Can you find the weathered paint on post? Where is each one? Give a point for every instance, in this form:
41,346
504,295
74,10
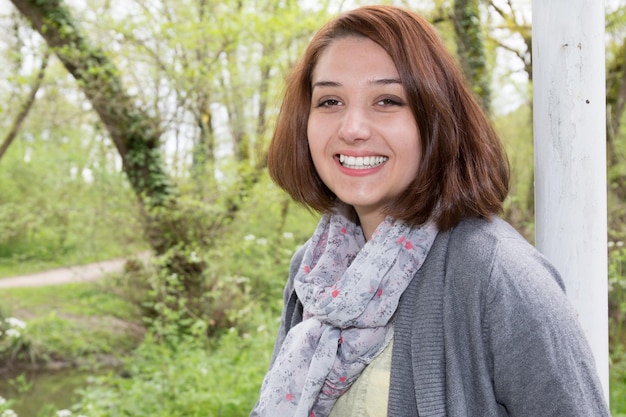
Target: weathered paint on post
570,162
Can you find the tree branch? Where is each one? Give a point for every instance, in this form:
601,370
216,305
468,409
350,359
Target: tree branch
26,106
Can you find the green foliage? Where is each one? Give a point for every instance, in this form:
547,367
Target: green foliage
191,380
14,340
173,373
515,129
52,336
81,299
236,299
46,338
214,280
471,48
617,381
617,328
5,407
617,294
56,208
73,326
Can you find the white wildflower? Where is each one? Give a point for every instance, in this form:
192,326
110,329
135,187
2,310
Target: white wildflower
620,244
261,241
2,400
288,235
172,278
13,322
193,257
241,280
611,244
8,413
249,238
13,333
64,413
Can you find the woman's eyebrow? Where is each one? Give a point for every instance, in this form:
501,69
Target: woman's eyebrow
378,81
386,81
326,84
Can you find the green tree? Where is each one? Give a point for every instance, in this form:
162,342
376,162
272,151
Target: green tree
616,100
135,133
232,58
509,32
471,48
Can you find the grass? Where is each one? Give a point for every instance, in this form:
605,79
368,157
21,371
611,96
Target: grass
71,323
83,299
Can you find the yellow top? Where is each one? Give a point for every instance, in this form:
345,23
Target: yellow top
369,394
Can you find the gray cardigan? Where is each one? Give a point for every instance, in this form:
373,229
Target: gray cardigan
484,329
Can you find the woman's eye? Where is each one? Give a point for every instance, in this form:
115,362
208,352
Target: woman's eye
390,102
329,103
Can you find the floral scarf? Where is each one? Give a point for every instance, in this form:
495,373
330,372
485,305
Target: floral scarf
350,289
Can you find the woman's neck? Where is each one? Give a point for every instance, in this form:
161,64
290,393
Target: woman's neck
369,222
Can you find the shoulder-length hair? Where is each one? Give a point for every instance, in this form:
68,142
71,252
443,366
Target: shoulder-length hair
463,170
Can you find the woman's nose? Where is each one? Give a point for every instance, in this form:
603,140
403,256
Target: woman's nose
354,125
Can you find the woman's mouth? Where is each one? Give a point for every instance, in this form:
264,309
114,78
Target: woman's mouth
361,162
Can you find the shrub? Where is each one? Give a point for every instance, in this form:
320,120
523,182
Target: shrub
617,293
188,380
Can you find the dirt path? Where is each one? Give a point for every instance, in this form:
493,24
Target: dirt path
82,273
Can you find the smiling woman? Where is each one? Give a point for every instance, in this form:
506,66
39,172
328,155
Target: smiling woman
412,297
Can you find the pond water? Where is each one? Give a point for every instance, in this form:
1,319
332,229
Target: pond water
46,388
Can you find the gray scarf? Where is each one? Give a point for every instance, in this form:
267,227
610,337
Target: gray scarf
350,289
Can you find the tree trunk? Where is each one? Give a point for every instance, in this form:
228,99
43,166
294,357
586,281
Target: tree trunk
471,51
134,132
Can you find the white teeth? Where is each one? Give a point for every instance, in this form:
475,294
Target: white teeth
361,162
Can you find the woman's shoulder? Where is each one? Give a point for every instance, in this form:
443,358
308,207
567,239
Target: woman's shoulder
498,286
479,234
492,240
494,253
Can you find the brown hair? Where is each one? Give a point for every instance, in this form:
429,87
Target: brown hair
463,171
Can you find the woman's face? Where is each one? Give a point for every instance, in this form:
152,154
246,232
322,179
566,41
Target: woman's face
362,135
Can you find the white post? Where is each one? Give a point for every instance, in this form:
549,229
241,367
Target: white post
570,161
